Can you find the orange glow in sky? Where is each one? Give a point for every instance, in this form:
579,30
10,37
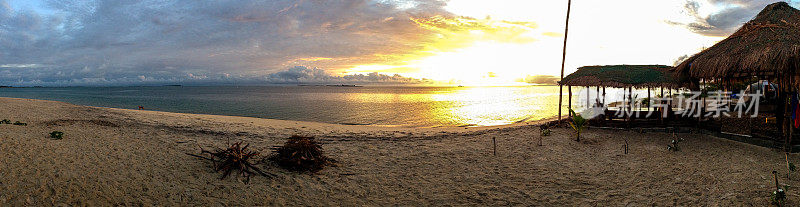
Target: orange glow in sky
500,42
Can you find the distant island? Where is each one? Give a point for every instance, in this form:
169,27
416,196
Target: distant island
21,87
329,85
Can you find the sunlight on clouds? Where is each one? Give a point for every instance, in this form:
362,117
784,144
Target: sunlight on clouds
470,42
500,37
460,31
465,50
481,64
313,59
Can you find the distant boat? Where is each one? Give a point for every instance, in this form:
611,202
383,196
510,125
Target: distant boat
343,85
173,85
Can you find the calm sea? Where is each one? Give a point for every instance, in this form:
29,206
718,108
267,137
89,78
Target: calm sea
369,105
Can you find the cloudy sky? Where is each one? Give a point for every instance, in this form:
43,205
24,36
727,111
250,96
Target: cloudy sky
476,42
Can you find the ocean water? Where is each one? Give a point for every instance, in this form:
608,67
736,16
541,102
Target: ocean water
369,105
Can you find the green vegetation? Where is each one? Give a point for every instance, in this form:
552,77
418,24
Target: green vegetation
578,123
778,197
56,135
5,121
544,132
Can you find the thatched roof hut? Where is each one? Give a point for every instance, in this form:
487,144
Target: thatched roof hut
624,76
767,46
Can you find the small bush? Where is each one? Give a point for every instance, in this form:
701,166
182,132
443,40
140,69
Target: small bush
545,132
778,196
578,123
20,123
301,154
56,135
5,121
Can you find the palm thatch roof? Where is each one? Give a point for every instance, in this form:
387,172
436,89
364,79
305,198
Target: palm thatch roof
768,45
623,76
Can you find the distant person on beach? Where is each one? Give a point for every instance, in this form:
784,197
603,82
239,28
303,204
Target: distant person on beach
141,108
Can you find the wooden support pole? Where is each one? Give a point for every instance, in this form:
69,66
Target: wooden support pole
702,104
788,168
630,108
603,103
494,148
663,108
563,60
775,175
630,100
569,98
791,91
781,112
648,99
604,96
587,97
624,103
597,95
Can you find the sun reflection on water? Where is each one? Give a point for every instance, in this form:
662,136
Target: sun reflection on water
462,106
487,106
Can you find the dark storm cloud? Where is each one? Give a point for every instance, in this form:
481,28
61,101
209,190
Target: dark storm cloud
150,41
733,14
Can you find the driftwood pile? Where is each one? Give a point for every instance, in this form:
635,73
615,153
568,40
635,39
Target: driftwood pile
302,154
235,157
299,153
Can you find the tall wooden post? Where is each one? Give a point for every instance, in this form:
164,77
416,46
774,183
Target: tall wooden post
630,107
563,60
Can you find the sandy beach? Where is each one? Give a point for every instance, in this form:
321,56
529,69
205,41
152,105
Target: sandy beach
135,157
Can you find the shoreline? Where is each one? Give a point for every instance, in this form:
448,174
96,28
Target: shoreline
524,122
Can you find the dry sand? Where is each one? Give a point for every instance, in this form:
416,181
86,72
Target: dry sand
131,157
